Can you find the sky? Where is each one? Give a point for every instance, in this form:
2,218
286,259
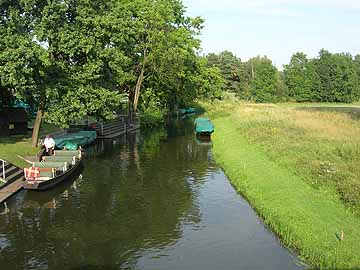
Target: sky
278,28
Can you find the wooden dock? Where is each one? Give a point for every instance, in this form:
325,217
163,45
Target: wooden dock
10,190
119,126
14,178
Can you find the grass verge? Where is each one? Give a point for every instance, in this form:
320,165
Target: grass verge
314,221
12,147
320,143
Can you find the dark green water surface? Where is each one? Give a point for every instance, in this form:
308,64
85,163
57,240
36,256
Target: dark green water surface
155,201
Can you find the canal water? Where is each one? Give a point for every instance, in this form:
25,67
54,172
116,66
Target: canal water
155,201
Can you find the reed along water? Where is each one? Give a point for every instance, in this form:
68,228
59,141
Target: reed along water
155,201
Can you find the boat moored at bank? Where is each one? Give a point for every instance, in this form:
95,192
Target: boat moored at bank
53,170
203,126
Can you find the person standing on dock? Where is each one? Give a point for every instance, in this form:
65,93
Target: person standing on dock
49,144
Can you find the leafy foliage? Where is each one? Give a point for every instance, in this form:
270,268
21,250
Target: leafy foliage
256,79
327,78
79,57
264,86
230,68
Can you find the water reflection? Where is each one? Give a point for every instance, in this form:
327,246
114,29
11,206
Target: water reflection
143,201
53,197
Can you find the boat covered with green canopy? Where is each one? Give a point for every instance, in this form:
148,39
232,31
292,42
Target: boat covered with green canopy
203,126
72,141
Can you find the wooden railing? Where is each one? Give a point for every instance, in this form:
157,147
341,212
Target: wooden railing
111,128
120,125
3,169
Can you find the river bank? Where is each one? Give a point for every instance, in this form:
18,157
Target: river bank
290,164
20,145
144,201
12,148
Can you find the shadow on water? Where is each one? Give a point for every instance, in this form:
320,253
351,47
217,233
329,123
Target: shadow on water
143,202
47,199
353,112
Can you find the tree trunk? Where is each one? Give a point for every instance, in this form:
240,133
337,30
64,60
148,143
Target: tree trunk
252,71
139,82
37,125
137,88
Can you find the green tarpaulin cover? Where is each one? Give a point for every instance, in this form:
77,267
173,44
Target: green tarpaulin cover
69,145
191,110
188,111
72,140
203,125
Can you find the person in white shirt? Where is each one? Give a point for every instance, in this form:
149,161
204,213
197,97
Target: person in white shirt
49,144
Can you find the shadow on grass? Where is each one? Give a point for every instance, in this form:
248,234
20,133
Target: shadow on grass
16,138
45,129
353,112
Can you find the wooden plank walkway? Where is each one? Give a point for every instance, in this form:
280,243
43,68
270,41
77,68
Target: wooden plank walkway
11,189
116,133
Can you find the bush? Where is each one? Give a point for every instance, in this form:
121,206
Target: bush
152,114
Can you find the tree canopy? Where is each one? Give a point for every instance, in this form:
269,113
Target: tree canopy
78,57
330,77
326,78
75,58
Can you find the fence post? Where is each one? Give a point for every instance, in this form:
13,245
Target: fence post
3,169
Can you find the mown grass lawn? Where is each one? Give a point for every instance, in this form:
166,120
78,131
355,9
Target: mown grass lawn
299,167
12,147
320,142
20,145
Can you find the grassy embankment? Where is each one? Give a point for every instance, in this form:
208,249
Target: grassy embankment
12,147
300,169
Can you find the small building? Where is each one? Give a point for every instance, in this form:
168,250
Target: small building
13,121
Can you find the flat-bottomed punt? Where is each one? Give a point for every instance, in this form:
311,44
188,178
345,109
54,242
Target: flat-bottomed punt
53,170
72,141
203,126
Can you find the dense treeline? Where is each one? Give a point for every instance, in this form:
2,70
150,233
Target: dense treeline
76,58
256,79
326,78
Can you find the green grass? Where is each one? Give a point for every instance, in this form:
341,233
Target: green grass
321,144
305,218
309,217
12,147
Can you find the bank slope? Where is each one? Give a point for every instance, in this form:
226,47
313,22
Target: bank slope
306,219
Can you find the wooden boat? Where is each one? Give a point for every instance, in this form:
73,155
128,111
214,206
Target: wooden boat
201,139
187,111
72,141
203,126
53,170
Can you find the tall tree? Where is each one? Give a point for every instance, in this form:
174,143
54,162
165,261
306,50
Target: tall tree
230,67
338,78
265,82
53,49
160,43
295,78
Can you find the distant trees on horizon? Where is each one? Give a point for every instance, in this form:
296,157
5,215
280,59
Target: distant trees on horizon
329,77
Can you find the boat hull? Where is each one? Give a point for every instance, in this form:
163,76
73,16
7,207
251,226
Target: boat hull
81,138
203,126
48,184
